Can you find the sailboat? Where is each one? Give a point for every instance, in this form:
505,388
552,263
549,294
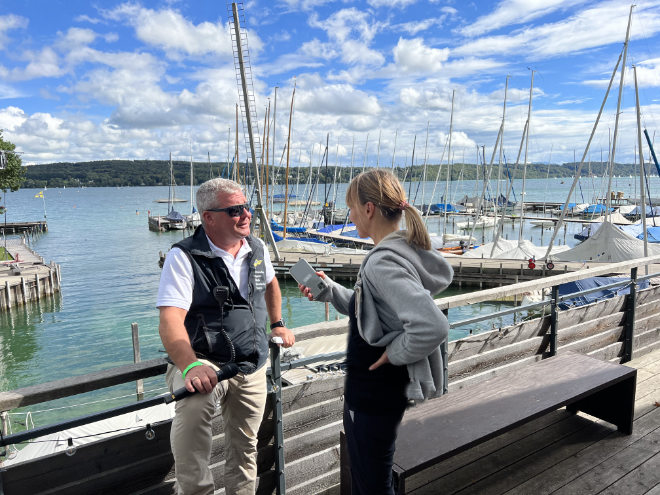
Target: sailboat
173,220
193,220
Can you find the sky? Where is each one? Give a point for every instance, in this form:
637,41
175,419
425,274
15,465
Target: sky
375,79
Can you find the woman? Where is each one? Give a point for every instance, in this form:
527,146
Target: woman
396,332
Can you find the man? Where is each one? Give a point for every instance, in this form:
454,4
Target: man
216,290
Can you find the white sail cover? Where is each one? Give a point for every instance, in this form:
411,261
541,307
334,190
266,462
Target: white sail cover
608,244
513,250
616,218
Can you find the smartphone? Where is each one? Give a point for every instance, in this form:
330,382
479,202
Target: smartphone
306,275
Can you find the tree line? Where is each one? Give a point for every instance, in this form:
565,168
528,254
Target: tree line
121,173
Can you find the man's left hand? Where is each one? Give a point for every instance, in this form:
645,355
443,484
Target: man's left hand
288,339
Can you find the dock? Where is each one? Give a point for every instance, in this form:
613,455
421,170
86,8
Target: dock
27,278
30,228
468,272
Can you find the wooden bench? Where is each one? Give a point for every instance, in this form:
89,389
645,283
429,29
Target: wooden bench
440,428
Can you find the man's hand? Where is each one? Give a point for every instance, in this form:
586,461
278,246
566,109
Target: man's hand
201,379
288,339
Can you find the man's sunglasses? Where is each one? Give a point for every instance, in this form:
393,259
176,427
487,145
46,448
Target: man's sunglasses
232,211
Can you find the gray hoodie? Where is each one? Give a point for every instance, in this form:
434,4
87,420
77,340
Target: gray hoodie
395,309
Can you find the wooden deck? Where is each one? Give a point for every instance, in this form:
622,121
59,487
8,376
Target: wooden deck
563,453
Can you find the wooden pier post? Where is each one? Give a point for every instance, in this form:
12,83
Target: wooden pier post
24,291
8,295
139,384
37,294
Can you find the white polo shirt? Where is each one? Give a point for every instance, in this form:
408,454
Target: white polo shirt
176,280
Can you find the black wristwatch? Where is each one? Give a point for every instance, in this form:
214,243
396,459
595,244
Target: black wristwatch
278,323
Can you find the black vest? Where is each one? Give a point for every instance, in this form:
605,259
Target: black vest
237,332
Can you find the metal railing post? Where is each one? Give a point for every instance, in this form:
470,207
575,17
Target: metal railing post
278,430
629,327
553,320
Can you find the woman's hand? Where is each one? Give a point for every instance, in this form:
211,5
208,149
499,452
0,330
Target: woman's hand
381,361
306,291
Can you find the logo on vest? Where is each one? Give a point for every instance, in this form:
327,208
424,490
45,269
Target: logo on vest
258,262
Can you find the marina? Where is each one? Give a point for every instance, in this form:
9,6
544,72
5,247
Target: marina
552,359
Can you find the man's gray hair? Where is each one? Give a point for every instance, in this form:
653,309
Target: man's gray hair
207,194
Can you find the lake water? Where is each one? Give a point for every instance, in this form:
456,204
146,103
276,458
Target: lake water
110,273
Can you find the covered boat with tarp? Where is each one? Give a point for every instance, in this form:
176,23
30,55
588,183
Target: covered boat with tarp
609,244
592,283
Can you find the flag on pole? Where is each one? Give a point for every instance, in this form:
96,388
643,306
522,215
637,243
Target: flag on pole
40,194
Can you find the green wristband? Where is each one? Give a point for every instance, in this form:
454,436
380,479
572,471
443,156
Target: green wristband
191,366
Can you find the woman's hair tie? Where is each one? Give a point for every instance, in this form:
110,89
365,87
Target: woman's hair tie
403,205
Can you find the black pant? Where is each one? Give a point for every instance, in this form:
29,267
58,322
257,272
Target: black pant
370,440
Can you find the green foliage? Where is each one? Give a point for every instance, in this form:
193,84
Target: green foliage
13,174
111,173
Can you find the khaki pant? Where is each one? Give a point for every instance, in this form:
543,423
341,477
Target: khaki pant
242,400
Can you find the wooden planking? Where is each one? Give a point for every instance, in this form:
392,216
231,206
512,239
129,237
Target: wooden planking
568,467
547,464
610,471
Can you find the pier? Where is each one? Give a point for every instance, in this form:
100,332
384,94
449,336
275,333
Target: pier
27,277
30,228
479,273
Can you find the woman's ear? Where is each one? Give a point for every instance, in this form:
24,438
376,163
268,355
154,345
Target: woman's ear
370,209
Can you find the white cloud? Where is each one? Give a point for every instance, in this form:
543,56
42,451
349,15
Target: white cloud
391,3
12,117
414,27
413,56
44,63
176,35
315,96
8,22
514,12
601,25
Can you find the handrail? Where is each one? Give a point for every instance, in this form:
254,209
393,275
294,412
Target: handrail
546,282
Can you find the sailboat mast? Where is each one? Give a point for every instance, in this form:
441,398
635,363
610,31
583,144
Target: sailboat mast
286,173
642,173
192,207
255,168
446,198
616,119
524,177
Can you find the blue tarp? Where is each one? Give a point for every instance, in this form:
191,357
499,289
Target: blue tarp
337,226
352,233
279,238
438,208
653,234
293,230
592,283
175,216
596,209
570,206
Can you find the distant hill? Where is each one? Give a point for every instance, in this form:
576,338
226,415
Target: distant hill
112,173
